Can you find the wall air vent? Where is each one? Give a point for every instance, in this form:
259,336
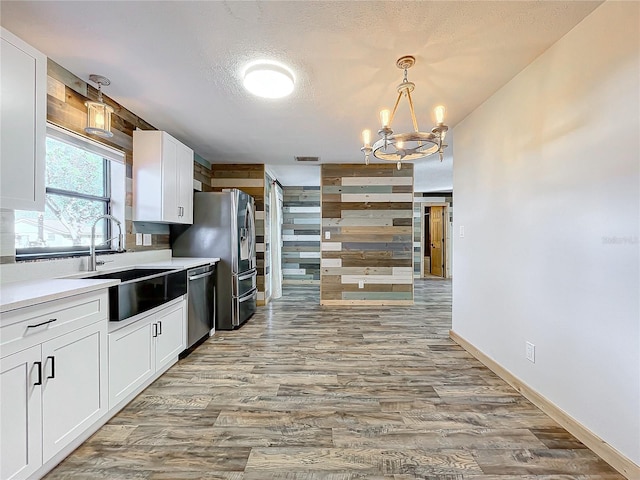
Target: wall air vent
307,159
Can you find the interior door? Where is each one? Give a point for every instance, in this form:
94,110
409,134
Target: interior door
437,241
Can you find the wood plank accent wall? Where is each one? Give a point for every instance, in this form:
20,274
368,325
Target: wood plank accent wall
417,237
250,178
368,212
66,95
301,227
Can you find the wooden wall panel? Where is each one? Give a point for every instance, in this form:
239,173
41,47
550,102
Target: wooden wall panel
367,212
417,238
301,235
68,111
252,179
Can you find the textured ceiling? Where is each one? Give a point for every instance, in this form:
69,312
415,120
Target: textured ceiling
178,64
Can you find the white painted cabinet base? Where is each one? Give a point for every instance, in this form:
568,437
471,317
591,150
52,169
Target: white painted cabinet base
54,382
130,361
20,415
142,350
74,392
51,393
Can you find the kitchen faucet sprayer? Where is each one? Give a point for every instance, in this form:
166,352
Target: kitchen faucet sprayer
92,265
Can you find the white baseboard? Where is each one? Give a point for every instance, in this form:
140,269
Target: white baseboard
613,457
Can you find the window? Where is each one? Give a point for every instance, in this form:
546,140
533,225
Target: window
78,180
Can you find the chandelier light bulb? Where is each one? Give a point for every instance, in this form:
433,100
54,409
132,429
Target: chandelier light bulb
366,137
384,117
439,113
399,145
99,120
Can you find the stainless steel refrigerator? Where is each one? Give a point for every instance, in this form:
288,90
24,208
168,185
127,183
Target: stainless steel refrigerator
224,227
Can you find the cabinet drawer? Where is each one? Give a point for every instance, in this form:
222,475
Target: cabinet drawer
29,326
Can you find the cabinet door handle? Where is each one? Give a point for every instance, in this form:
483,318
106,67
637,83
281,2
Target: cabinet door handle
155,330
51,320
39,364
53,367
160,328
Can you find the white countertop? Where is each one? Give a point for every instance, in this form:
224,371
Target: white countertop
180,262
25,294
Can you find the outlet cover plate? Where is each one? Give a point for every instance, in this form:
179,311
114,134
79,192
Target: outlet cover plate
531,352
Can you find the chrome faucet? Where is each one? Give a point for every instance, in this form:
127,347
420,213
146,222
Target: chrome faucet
92,266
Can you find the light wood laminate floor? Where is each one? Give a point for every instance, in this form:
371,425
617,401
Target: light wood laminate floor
304,392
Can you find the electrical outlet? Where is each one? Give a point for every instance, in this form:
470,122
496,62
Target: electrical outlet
531,352
360,283
327,235
461,231
138,239
146,239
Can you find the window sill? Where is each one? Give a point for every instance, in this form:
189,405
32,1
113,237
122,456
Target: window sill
34,257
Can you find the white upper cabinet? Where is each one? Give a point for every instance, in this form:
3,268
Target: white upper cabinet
162,178
23,118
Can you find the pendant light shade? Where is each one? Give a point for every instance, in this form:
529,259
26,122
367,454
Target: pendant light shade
99,113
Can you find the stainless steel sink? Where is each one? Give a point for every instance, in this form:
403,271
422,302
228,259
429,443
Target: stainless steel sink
141,289
131,274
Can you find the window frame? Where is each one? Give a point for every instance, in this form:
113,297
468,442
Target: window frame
108,155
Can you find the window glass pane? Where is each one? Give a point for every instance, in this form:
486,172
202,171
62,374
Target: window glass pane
74,169
66,222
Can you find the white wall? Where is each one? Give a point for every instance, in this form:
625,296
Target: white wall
547,181
432,175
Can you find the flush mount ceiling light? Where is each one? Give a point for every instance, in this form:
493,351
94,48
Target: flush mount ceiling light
99,113
399,147
268,79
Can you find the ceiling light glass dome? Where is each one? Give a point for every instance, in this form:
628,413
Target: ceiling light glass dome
268,79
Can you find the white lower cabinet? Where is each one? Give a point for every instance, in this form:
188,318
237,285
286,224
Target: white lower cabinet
20,414
51,393
130,360
169,338
62,373
144,348
74,390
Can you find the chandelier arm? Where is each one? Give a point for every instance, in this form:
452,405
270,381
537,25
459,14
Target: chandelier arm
395,107
413,113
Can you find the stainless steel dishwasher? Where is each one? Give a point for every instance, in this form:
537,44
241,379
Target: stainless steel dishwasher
201,302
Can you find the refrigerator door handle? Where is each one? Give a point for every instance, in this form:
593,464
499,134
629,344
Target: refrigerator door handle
249,274
252,235
247,296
